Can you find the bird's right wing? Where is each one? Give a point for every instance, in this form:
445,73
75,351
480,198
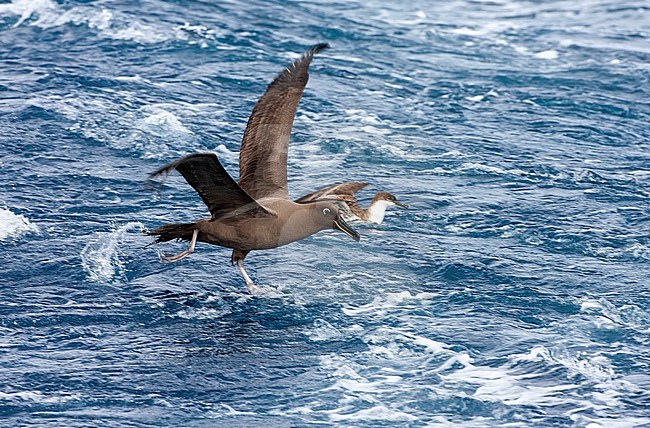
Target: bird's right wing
264,148
341,192
222,195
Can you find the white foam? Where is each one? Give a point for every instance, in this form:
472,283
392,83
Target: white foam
348,58
548,54
483,30
26,9
624,422
37,397
157,131
137,32
401,19
198,35
496,384
477,167
324,331
162,123
363,116
597,368
228,411
393,85
431,345
109,24
376,413
390,300
154,130
202,313
14,225
136,78
454,154
226,154
521,49
589,305
479,98
607,315
100,258
375,131
465,31
365,385
369,380
636,251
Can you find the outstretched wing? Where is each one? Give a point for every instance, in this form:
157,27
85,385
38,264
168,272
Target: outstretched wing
264,148
221,194
342,192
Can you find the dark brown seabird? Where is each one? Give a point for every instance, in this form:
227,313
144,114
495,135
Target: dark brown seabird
256,213
345,192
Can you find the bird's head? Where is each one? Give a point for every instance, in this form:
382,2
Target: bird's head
387,199
328,214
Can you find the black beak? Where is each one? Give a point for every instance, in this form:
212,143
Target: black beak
400,204
342,225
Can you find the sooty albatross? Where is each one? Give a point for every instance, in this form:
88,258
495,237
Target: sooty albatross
256,212
345,192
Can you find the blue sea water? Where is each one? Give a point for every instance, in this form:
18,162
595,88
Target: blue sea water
514,291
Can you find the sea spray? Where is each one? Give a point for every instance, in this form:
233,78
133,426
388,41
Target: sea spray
13,225
101,258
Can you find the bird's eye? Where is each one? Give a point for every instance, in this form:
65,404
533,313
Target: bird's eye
326,211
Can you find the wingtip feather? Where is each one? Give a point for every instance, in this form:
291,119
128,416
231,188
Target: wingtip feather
318,48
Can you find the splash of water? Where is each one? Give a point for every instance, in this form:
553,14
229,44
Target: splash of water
14,225
100,258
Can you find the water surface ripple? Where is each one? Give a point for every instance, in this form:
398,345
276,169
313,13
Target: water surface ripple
514,292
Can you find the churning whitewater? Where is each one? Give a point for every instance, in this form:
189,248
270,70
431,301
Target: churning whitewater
512,292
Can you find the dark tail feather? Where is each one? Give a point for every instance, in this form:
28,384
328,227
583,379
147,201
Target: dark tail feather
168,232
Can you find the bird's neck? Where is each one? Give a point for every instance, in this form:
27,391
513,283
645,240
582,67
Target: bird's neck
376,211
299,225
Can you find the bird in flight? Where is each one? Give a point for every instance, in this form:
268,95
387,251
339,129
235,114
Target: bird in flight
256,212
345,192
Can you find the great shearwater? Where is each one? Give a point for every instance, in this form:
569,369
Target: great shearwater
345,192
256,213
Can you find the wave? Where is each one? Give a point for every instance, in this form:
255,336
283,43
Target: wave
110,24
552,376
160,123
586,179
625,316
203,313
13,226
37,397
158,134
403,299
154,131
635,251
25,9
376,413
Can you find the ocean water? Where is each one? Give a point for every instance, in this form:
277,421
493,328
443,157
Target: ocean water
514,291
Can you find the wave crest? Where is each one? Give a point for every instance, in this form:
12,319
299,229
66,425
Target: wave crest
13,226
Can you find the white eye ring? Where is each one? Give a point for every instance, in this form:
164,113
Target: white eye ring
326,211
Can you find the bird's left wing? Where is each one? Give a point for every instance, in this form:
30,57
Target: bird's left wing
220,193
342,192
